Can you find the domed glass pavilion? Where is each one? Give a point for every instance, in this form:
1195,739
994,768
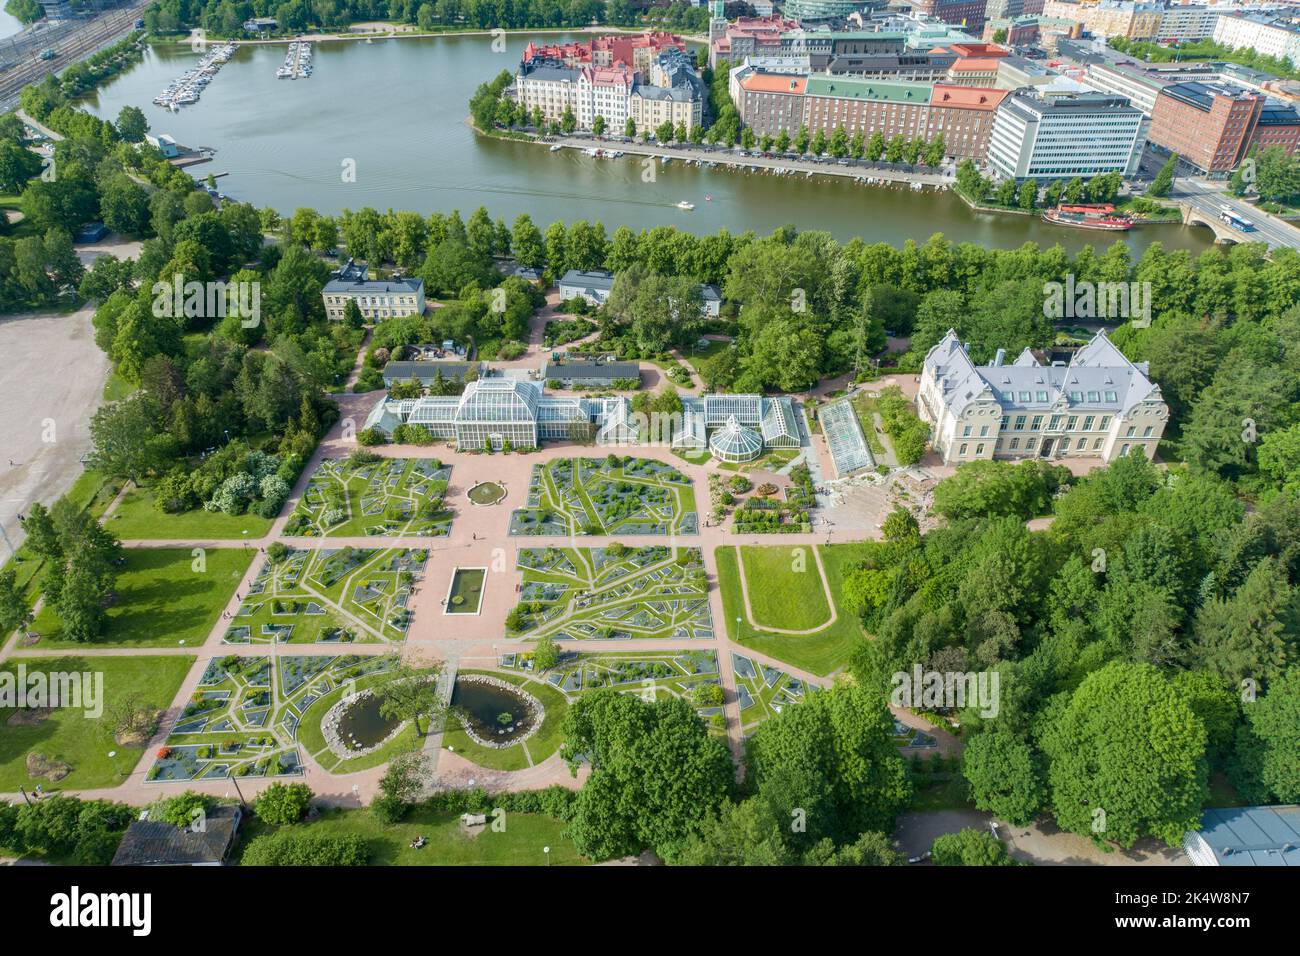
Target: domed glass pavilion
734,442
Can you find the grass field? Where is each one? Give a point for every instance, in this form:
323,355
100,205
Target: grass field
785,588
161,600
83,742
820,653
519,844
137,518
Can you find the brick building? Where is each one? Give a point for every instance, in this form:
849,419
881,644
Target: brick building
1208,125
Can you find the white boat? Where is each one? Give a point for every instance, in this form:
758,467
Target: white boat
556,147
688,206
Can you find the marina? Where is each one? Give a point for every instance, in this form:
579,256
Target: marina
297,61
292,158
187,89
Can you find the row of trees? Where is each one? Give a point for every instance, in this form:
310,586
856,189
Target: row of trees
984,189
226,17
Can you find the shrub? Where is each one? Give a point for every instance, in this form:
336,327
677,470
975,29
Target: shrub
290,848
969,847
283,803
182,809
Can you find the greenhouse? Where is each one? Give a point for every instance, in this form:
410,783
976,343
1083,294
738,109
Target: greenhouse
735,443
495,410
779,426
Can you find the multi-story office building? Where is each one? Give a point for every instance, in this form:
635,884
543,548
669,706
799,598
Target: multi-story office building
1060,137
1141,87
1261,33
1011,9
1186,22
814,11
966,13
1207,124
1278,125
1096,405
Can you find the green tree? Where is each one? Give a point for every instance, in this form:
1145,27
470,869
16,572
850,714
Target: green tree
131,124
409,693
1267,764
1164,180
1126,757
546,653
657,774
1004,776
832,762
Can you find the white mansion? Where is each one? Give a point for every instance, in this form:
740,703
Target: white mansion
1098,405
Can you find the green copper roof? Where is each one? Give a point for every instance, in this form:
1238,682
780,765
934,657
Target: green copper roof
861,88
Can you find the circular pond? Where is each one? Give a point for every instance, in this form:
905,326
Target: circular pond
355,726
494,712
487,493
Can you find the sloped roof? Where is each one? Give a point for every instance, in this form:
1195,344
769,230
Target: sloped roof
1099,368
156,843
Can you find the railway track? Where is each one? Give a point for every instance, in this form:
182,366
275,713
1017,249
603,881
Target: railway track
73,40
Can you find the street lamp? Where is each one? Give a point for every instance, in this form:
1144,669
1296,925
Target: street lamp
112,755
546,851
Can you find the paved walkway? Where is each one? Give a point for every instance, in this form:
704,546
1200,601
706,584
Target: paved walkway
478,538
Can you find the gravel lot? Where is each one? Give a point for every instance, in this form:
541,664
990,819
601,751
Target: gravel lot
52,382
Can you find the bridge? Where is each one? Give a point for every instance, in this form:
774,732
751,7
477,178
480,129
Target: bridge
1202,204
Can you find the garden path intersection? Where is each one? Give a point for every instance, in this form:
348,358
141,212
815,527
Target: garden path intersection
478,538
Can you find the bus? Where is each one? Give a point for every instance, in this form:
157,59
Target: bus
1229,216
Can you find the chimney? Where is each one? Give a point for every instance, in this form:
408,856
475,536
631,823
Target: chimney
997,359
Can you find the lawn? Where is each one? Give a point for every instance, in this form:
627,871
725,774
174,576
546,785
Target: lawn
785,588
162,601
137,518
519,844
544,742
83,742
820,653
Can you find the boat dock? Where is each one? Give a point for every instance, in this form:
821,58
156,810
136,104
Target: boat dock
190,85
297,61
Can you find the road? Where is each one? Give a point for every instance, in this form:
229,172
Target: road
1209,199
